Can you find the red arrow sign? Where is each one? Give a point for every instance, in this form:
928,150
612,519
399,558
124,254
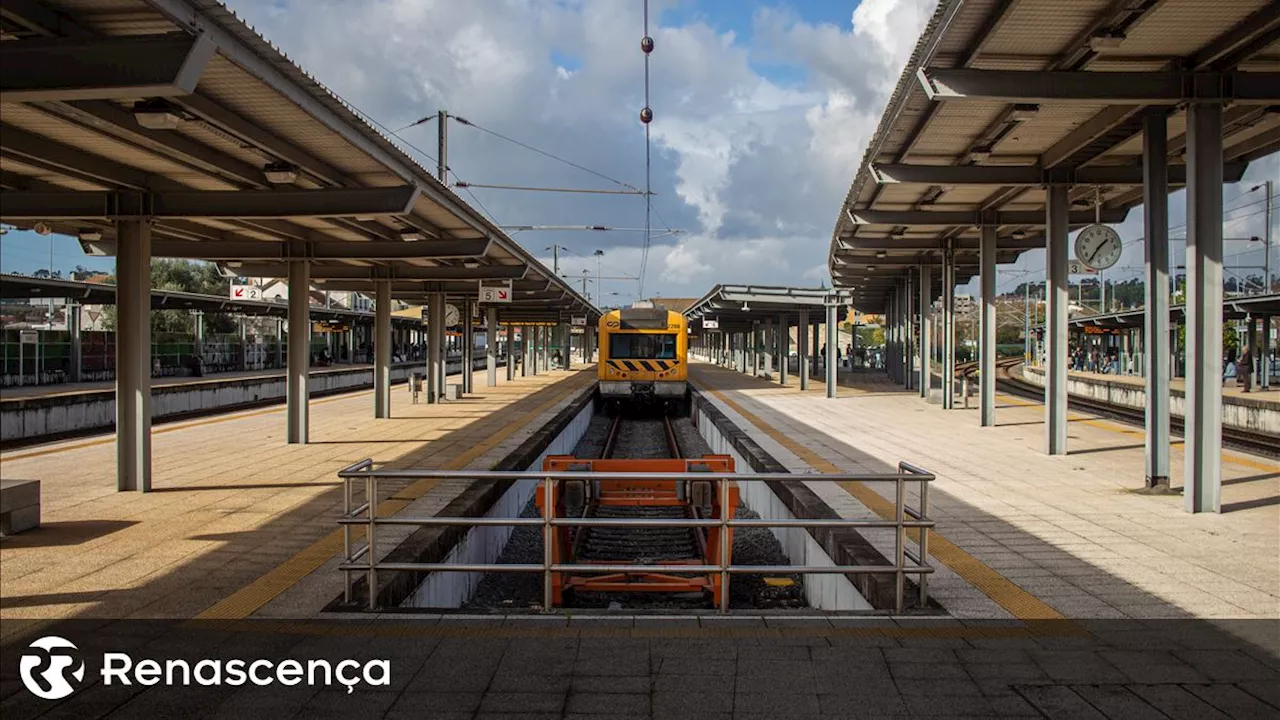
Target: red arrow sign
238,292
502,294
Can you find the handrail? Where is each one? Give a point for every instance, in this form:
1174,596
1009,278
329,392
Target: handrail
364,558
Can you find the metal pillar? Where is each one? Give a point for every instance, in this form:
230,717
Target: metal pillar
133,355
784,348
511,357
435,349
769,348
468,346
1055,375
987,343
279,343
77,354
1203,428
926,331
382,350
802,350
1264,354
949,328
526,349
832,339
908,332
491,347
1156,348
298,395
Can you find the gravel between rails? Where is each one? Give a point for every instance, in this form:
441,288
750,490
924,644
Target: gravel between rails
643,438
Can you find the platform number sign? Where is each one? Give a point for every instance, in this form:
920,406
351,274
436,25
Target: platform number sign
708,324
495,292
578,321
246,292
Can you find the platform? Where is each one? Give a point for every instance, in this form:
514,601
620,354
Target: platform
232,502
1229,386
1071,532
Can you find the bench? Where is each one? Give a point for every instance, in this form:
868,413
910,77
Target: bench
19,506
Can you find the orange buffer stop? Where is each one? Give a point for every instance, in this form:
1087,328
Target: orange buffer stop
694,500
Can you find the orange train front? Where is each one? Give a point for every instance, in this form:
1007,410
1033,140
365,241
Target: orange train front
644,358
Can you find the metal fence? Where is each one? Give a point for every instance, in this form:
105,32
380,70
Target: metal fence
364,557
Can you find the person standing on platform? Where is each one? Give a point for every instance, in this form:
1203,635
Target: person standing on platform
1244,369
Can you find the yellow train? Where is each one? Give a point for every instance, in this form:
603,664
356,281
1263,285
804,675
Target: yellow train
644,359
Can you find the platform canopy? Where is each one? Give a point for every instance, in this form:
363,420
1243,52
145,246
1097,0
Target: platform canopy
86,293
1237,308
178,112
735,307
1003,98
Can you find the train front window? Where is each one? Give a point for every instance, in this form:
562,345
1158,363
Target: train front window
642,347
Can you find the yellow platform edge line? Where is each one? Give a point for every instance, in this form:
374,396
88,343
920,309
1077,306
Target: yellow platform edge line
249,599
1006,593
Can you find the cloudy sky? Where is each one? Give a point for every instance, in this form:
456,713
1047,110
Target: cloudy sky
762,113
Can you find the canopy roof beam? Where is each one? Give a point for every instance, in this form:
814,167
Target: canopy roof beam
1028,86
224,205
103,68
1031,176
947,218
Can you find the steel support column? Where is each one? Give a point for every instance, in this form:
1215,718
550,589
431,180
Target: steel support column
526,349
802,350
833,338
382,350
468,346
784,347
491,346
987,343
949,328
298,394
1055,375
926,329
1203,424
1155,345
1264,354
435,346
511,353
133,356
73,332
908,333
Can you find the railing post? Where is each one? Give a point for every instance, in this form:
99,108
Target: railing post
547,538
900,580
924,541
371,489
346,538
724,544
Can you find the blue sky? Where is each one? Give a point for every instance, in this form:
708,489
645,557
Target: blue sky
762,114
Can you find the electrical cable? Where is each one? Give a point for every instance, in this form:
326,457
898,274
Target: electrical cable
553,156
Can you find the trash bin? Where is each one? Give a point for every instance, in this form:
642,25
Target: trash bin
415,384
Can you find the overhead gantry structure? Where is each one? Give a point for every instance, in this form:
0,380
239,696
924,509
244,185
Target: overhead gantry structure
1016,121
170,128
748,326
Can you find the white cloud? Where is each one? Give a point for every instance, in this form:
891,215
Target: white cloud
754,163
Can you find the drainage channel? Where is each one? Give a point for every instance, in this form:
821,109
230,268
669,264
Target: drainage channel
579,431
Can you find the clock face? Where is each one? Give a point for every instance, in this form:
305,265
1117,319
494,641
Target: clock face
1098,247
451,315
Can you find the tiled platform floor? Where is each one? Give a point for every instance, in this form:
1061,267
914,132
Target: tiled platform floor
231,500
1070,530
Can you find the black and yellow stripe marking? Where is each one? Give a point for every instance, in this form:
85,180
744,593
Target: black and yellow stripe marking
643,365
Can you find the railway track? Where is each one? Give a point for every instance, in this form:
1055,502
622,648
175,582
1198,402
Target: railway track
634,439
1248,441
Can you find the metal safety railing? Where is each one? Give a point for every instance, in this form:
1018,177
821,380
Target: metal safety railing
364,557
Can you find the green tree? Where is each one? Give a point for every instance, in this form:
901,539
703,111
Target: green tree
192,276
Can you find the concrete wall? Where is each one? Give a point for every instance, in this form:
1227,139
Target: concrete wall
1245,413
30,419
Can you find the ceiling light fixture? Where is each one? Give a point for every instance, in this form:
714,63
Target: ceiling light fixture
1024,111
881,254
471,264
156,115
89,235
410,235
281,173
1107,40
1019,234
871,268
